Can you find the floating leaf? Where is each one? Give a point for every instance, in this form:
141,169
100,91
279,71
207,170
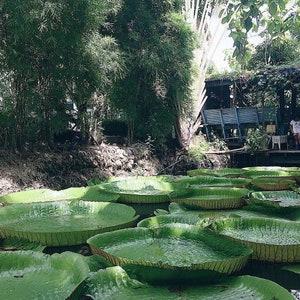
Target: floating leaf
205,180
271,173
227,172
273,184
137,190
292,268
12,244
211,197
272,240
158,221
63,223
275,198
114,283
34,275
174,252
92,193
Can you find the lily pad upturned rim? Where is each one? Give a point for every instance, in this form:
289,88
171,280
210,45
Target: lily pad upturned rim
90,193
114,282
273,183
140,190
263,249
29,274
272,173
157,221
76,224
284,199
110,243
215,181
226,172
210,197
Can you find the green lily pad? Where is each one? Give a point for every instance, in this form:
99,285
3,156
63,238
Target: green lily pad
275,198
12,244
272,240
63,223
271,173
163,178
292,268
273,184
248,211
272,168
140,190
211,197
174,252
202,180
227,172
92,193
114,283
158,221
34,275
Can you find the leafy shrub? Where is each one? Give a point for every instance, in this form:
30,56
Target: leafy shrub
257,139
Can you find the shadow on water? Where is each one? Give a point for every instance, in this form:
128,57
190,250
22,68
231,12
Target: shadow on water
273,272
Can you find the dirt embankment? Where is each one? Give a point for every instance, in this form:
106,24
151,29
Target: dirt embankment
60,169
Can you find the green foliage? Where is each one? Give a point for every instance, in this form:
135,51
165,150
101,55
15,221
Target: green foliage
256,139
250,16
158,47
277,52
53,50
199,148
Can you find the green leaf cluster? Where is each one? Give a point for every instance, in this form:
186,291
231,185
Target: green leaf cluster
158,46
53,50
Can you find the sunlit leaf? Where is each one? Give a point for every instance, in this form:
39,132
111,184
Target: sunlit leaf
63,223
174,252
272,240
34,275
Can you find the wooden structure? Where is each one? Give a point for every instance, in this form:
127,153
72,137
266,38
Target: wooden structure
233,123
229,92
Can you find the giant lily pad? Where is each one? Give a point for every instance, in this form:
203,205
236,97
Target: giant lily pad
114,283
271,173
202,180
158,221
34,275
227,172
140,190
43,195
275,198
63,223
273,184
211,197
292,268
272,240
174,252
272,168
13,244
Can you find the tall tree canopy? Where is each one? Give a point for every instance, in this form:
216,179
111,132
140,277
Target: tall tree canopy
158,46
52,50
277,52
